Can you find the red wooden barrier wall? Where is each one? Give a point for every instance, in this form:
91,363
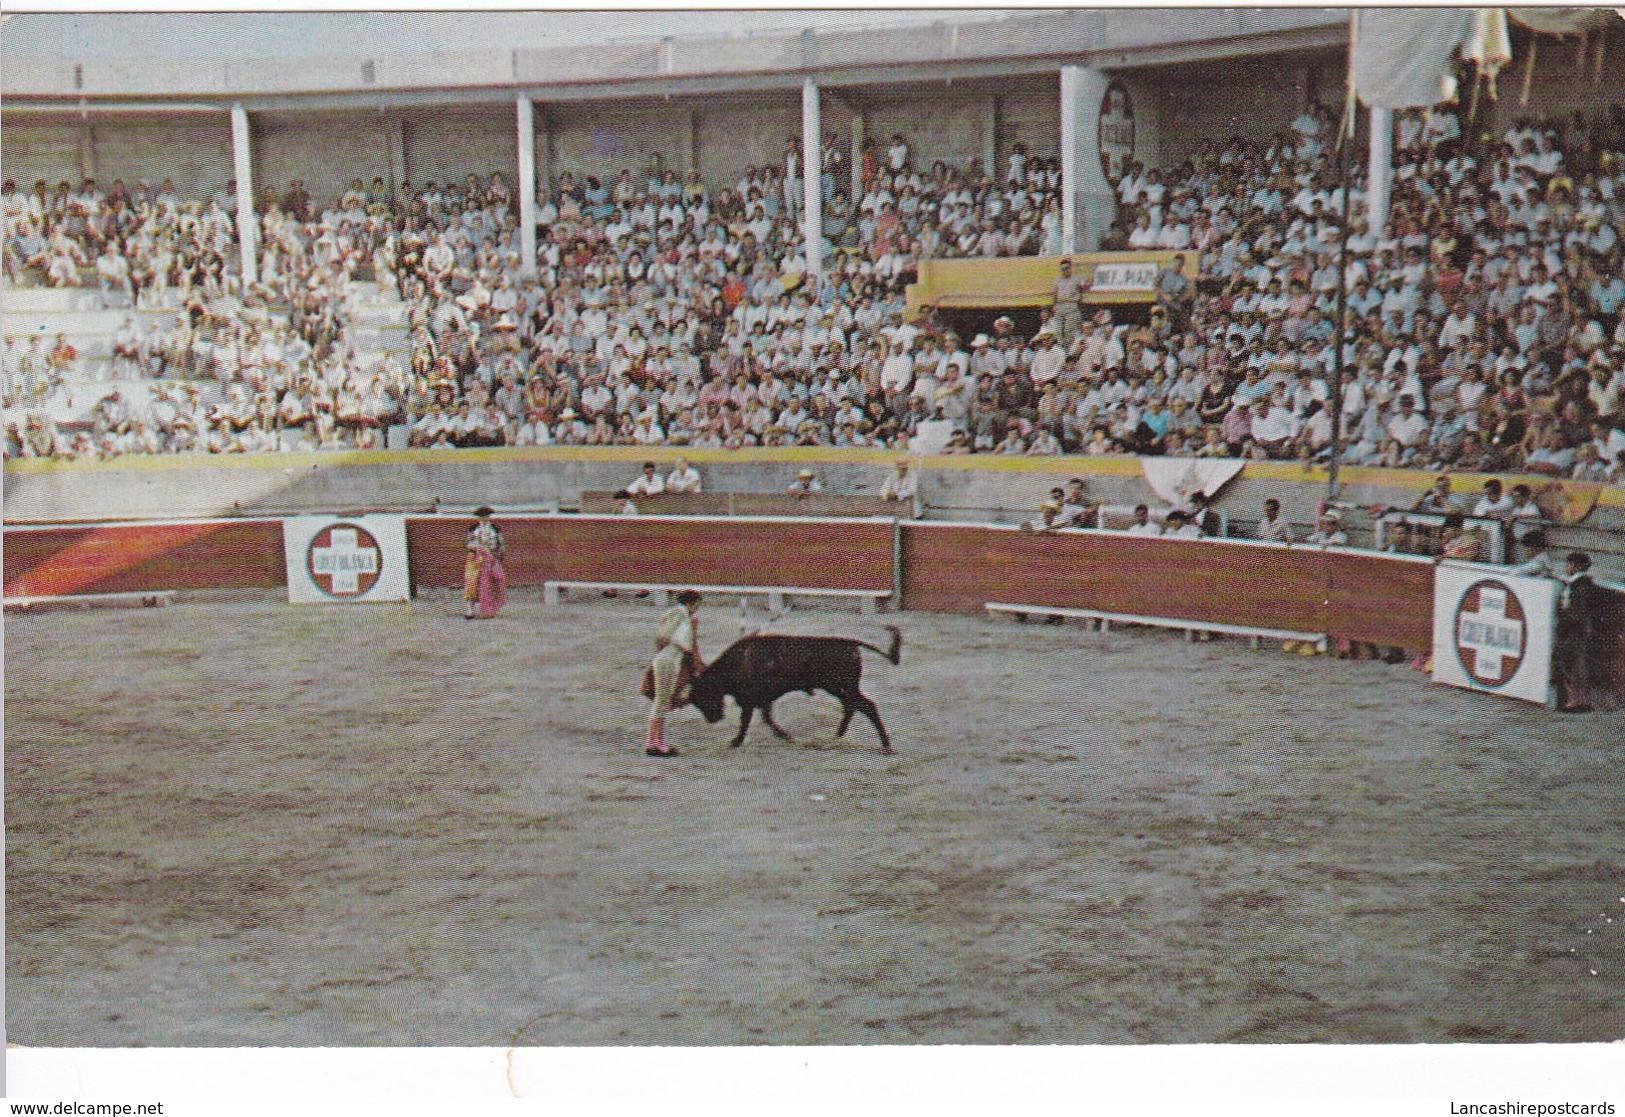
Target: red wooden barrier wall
436,550
679,551
200,554
945,568
1380,600
958,568
812,553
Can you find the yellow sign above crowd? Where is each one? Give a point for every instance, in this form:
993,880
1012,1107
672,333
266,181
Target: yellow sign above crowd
1115,278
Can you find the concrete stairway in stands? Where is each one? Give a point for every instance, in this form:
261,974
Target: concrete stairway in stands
76,313
378,323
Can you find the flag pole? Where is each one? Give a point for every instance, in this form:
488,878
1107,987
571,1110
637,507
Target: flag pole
1345,135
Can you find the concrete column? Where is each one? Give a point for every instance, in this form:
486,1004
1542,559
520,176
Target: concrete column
694,140
243,164
990,139
812,190
527,184
87,151
1088,202
857,158
1380,171
397,155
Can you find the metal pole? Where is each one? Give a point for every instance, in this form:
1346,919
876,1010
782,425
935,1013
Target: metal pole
1345,136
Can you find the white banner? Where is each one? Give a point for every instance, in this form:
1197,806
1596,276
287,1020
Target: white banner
1402,56
1493,631
333,559
1176,479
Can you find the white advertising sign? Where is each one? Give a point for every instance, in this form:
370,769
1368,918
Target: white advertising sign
1116,132
333,559
1123,277
1493,631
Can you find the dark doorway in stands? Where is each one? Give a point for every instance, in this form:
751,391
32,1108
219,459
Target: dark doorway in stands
967,322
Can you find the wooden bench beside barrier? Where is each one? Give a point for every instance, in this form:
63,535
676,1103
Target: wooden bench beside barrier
1191,628
143,599
869,601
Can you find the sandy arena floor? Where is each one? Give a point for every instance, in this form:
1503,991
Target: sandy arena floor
245,823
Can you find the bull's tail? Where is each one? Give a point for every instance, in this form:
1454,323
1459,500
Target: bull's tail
895,652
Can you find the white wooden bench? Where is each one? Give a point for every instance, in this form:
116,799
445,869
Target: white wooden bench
1191,628
142,599
868,600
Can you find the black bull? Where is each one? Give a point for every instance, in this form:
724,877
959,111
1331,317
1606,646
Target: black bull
759,670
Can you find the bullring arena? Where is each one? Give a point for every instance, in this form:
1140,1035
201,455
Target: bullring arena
1147,788
1083,838
236,821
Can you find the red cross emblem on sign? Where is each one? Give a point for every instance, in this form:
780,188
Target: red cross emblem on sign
344,560
1490,633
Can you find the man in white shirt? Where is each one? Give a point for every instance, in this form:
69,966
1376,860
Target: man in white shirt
897,372
683,479
1492,504
649,484
1180,526
806,482
1075,506
1329,531
1143,524
1407,427
1273,529
1048,358
901,484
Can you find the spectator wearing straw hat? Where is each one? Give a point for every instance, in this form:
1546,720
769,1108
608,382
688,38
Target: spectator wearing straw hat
901,485
806,482
1328,531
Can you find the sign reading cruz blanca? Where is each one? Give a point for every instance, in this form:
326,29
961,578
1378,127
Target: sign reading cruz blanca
1116,132
360,558
1493,631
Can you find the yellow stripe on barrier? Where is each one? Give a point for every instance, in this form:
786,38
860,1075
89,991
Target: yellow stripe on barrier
1115,465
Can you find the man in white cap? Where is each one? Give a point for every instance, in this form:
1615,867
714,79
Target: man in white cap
806,482
1048,356
984,358
1329,531
1068,314
902,485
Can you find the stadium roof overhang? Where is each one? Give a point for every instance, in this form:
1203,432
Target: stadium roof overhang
842,64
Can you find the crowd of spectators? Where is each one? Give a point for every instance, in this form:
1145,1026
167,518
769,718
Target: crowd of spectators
1486,328
1485,317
